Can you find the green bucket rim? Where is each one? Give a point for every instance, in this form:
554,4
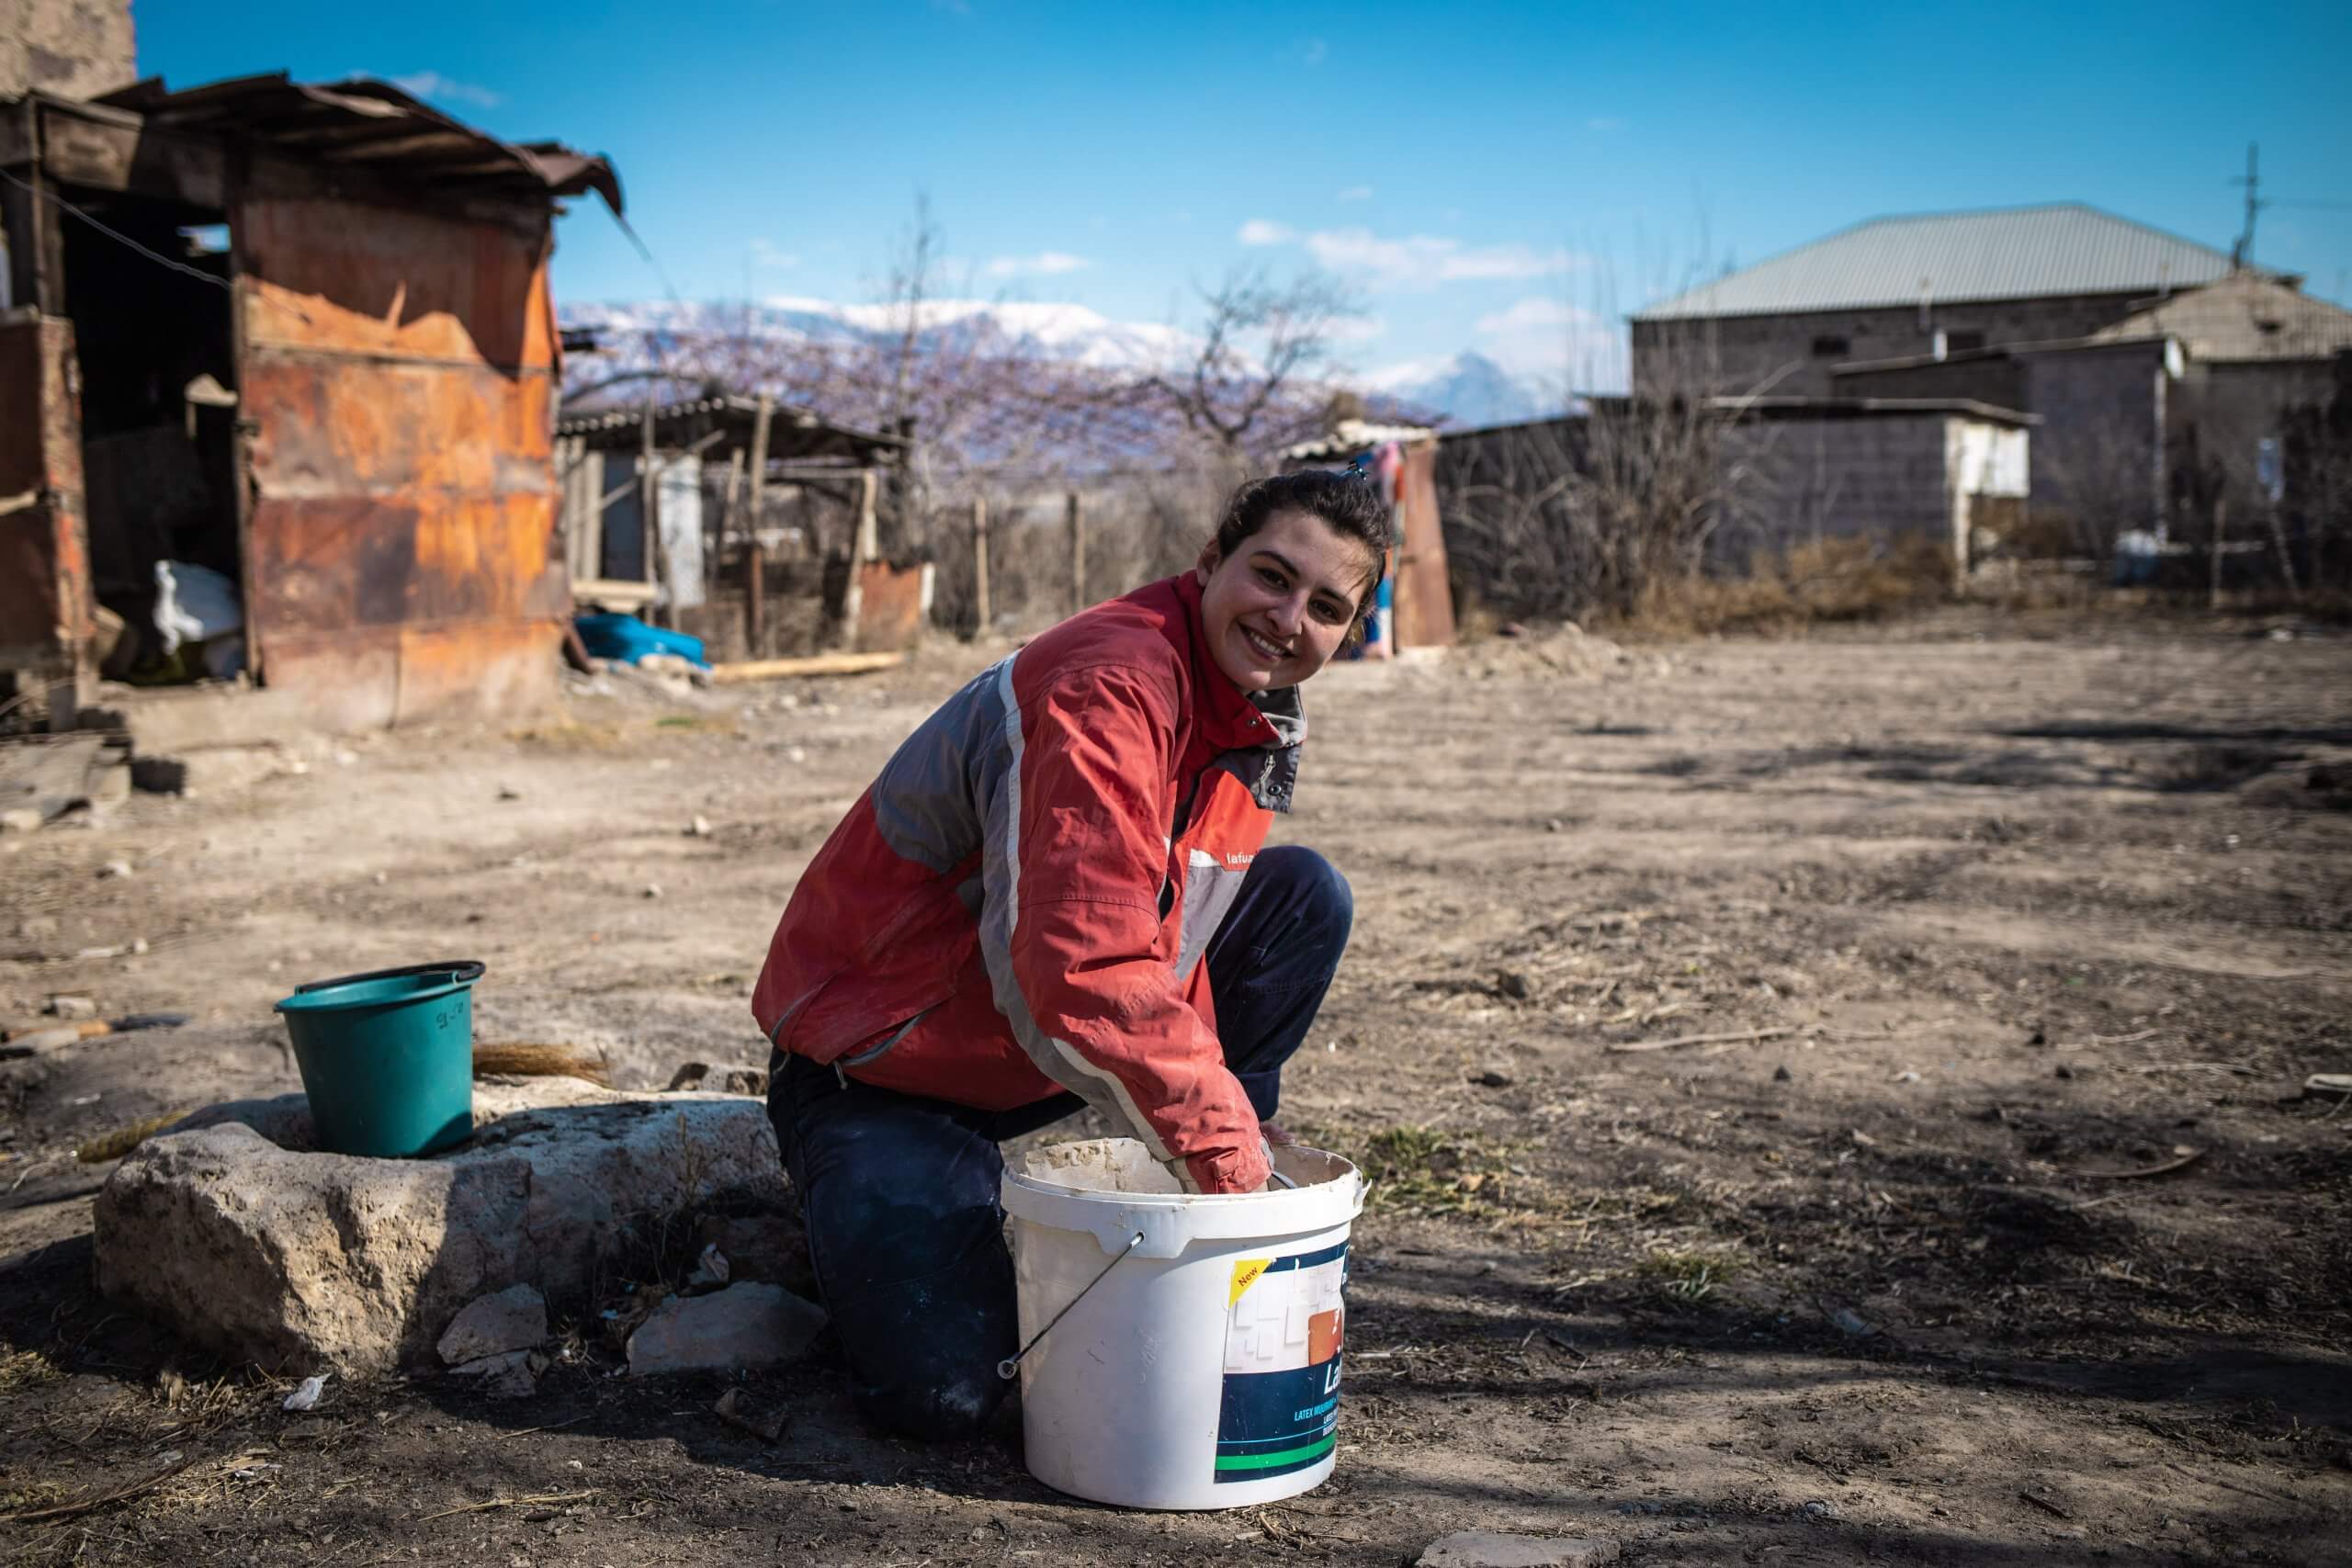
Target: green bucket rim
326,996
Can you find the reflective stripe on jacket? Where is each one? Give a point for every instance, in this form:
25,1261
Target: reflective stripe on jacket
1019,903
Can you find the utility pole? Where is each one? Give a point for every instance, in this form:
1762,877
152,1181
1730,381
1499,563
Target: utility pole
2242,254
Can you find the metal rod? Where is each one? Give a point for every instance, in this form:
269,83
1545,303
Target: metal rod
1010,1367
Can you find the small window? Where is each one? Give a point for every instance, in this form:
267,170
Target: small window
1963,343
1831,346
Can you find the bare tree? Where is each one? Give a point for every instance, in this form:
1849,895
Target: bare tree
1262,341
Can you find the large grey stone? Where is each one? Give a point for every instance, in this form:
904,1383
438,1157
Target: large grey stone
742,1326
232,1232
1491,1549
513,1319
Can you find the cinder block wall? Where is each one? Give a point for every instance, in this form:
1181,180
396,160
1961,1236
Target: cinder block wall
1790,480
76,49
1776,354
2100,451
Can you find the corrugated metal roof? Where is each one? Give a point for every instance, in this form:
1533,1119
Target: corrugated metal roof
370,124
2018,252
798,430
2242,318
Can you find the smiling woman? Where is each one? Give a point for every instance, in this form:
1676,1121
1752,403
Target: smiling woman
1055,896
1288,577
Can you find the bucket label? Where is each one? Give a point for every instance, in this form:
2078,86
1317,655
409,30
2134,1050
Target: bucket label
1283,1327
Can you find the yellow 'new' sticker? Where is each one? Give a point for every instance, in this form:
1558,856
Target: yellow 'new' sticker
1245,1274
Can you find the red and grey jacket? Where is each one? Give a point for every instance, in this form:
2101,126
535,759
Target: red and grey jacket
1020,902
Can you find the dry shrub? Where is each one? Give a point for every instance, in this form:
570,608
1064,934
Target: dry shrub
1850,579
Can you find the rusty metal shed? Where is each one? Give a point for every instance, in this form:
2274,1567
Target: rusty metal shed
346,404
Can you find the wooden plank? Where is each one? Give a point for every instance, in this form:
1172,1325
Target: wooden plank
981,561
815,664
755,588
612,592
98,155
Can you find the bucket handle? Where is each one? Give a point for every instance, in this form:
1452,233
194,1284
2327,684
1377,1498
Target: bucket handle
1010,1367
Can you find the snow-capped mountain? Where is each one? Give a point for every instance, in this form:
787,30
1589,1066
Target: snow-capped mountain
1074,334
1468,388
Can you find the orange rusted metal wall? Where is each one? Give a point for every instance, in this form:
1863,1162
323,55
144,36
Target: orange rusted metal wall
45,604
1424,596
892,605
397,374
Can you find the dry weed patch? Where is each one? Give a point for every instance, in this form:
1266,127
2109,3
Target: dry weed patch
1429,1171
1825,580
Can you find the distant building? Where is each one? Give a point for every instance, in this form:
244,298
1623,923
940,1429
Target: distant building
300,335
1924,287
2158,369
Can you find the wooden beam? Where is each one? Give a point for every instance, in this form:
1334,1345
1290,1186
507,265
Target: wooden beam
755,588
102,156
815,664
1077,510
648,526
863,547
980,564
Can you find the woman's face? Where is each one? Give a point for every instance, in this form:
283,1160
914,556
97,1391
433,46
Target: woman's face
1276,612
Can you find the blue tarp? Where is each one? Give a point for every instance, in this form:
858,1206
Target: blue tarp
629,639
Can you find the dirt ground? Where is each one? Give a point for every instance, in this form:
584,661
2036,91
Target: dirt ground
1990,919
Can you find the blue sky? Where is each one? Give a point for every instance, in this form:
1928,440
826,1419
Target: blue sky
1490,177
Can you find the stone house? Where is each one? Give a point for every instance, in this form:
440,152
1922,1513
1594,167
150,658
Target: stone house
2152,366
1930,287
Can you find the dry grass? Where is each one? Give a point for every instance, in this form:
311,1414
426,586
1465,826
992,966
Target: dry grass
25,1369
1686,1278
536,1061
117,1142
1827,579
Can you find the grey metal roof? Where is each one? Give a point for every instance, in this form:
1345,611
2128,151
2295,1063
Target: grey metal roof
2016,253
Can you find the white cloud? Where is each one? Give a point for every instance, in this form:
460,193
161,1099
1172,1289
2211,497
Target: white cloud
1549,338
432,84
1356,193
765,254
1357,329
1044,264
1424,259
1537,314
1265,231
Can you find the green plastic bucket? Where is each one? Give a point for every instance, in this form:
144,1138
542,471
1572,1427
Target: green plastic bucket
387,1059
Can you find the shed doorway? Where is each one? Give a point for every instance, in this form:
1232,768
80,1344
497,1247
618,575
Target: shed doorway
156,350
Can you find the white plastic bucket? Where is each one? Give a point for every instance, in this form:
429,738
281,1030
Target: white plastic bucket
1204,1370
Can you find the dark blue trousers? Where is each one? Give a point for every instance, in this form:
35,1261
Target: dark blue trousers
900,1192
